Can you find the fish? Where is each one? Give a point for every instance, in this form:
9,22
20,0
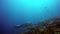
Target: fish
23,25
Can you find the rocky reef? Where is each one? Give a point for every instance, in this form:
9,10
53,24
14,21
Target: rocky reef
49,26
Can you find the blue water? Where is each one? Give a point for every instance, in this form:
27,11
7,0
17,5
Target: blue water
17,12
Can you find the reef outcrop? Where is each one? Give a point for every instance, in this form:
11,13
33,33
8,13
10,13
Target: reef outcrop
50,26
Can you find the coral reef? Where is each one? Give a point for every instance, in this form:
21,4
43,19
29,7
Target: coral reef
49,26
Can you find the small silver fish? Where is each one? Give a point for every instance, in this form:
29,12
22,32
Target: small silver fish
23,25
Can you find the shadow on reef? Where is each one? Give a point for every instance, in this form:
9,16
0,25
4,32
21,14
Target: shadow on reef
50,26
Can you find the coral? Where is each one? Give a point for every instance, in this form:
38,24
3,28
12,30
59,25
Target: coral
44,27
